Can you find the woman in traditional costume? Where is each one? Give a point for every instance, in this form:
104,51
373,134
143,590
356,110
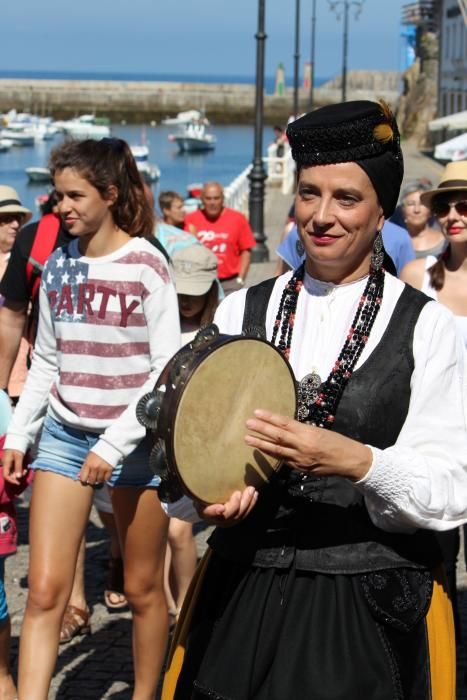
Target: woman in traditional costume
329,585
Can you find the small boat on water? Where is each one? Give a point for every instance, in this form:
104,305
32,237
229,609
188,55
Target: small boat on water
193,138
150,172
5,145
191,115
38,174
23,122
18,138
86,126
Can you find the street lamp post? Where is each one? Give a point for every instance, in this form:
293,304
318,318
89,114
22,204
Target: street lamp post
312,55
257,175
343,6
296,77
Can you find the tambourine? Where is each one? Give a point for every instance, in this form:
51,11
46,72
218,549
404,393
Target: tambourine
197,411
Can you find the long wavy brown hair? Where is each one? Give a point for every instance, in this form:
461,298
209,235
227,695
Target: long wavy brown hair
210,306
106,163
437,272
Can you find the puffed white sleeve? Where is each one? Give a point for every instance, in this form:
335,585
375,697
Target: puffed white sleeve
421,481
229,314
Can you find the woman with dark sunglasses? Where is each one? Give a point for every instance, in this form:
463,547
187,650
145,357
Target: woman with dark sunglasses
444,278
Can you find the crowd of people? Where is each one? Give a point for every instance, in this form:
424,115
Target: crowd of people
331,580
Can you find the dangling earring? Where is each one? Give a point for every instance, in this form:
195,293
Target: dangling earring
300,248
377,256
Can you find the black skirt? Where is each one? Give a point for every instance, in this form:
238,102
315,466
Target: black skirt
266,634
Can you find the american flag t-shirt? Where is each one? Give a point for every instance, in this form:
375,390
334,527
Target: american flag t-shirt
97,311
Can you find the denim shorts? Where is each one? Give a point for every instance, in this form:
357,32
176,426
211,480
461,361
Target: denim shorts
62,450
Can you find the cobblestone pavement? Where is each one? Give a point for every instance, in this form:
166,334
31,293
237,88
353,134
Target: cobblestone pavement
99,666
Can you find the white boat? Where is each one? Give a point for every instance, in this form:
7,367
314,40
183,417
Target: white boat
43,132
83,127
83,130
38,174
19,138
454,149
193,138
191,115
5,145
39,127
150,172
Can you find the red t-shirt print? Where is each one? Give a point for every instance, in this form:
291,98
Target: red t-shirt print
228,236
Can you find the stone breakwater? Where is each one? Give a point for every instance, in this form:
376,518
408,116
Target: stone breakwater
138,102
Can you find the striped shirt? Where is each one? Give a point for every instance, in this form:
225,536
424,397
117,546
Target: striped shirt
107,327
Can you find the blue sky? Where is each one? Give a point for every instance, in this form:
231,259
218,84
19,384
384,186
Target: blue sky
190,36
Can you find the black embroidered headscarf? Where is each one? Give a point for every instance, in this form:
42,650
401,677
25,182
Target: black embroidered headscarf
362,132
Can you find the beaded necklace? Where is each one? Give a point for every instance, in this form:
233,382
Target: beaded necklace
317,400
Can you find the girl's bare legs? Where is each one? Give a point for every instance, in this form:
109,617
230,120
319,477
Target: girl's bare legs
184,559
58,516
143,526
78,596
171,604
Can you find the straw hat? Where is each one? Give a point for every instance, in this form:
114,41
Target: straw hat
195,269
453,179
10,203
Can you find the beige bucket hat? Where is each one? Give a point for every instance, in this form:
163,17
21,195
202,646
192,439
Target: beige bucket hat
10,203
195,269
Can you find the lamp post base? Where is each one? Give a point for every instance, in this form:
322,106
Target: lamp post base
257,179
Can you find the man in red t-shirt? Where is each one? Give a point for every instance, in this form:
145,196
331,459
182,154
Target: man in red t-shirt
226,232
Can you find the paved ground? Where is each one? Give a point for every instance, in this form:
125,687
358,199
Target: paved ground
99,666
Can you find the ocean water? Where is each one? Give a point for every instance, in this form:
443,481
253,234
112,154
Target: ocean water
233,153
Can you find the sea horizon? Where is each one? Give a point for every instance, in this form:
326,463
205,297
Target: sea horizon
269,81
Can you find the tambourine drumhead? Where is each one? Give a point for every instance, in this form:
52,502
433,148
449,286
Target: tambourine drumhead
208,443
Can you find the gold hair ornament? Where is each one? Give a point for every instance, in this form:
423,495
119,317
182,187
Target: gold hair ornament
384,132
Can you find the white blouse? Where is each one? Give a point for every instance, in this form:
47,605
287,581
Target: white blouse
421,481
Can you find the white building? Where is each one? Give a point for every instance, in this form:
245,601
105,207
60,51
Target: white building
452,82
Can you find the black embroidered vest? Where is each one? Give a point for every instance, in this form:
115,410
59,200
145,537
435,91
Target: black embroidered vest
322,524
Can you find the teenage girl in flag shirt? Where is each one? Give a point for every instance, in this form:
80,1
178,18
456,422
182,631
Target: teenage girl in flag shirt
108,324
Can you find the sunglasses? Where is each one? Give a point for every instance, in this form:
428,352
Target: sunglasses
443,208
9,218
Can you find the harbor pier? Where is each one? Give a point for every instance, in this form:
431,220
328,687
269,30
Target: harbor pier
145,101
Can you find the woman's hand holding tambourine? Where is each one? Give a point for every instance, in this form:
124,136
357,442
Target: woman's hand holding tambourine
308,448
238,507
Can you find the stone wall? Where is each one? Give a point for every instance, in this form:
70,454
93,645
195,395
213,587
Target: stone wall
147,101
367,80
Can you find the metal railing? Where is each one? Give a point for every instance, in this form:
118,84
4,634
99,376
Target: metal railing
280,171
236,193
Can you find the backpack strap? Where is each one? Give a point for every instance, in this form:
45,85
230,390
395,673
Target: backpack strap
42,246
256,305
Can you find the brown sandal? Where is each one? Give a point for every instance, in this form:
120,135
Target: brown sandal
75,623
114,586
